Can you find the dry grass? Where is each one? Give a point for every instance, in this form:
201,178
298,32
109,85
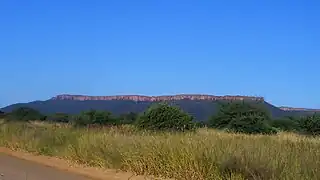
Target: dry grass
206,154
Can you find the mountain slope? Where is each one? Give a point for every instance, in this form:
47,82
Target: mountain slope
200,106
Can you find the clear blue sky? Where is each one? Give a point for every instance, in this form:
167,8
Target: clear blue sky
156,47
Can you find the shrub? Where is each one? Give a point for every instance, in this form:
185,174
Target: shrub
201,124
310,124
165,117
285,124
2,114
244,117
251,124
93,117
24,114
59,117
128,118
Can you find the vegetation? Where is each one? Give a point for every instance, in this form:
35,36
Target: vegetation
234,116
201,110
165,117
147,144
206,154
128,118
2,115
310,124
58,117
242,117
94,117
24,114
288,124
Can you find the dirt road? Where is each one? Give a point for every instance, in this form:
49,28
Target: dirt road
12,168
25,166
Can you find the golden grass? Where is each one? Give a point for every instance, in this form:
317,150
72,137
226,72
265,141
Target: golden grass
206,154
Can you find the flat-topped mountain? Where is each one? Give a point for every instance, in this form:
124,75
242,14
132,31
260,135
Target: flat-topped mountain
156,98
199,105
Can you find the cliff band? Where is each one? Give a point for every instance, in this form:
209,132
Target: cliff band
156,98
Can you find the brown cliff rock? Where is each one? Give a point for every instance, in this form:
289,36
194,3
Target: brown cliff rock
155,98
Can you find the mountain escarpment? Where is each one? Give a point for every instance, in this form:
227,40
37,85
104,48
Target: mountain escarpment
156,98
201,106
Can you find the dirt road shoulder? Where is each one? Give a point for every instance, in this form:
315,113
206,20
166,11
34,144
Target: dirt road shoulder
62,165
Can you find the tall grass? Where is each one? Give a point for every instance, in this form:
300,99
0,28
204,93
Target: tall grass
205,154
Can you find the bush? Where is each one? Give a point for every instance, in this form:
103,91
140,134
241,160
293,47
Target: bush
24,114
2,114
59,117
252,124
201,124
244,117
230,111
165,117
285,124
93,117
128,118
310,124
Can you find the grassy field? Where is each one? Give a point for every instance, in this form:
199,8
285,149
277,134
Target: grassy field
206,154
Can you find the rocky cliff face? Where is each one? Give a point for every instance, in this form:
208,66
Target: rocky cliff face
298,109
156,98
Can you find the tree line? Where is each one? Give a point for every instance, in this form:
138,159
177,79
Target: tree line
233,116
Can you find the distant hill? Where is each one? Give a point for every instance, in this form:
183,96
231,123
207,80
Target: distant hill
298,109
200,106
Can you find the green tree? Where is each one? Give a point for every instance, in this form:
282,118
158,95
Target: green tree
59,117
93,117
310,124
242,116
251,124
165,117
201,124
2,114
285,124
128,118
25,114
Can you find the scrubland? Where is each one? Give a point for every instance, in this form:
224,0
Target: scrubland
203,154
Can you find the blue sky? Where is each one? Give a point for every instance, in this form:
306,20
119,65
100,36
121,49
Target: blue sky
260,48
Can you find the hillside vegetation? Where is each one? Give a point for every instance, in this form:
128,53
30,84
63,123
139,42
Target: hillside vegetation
201,107
236,116
241,141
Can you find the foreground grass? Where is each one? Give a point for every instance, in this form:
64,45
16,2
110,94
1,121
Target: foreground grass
206,154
